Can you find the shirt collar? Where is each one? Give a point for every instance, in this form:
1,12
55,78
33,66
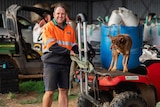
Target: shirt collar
55,23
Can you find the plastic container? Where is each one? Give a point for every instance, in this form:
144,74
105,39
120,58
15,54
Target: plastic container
136,50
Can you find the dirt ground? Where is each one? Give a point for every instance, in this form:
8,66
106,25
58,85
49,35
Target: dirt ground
16,101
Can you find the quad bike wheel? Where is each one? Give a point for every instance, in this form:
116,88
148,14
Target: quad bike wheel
83,102
128,99
104,98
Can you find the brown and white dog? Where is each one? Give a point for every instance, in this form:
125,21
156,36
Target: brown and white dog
121,44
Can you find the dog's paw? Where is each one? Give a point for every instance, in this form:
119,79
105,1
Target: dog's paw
109,69
113,69
125,69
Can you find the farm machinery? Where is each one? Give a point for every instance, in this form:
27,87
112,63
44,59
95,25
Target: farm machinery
139,87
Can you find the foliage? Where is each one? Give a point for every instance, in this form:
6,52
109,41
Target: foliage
11,95
31,86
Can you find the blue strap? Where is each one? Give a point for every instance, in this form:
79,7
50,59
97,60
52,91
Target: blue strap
107,19
146,20
158,29
91,30
150,30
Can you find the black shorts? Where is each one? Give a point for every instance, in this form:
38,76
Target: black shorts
56,76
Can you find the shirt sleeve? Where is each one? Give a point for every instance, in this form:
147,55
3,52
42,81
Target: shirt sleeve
55,48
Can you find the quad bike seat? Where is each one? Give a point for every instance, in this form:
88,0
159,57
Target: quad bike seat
149,62
140,70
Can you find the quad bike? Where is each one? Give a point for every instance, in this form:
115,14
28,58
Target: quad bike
139,87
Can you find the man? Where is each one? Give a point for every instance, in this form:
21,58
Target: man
59,43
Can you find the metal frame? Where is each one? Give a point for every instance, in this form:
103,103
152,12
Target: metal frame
81,21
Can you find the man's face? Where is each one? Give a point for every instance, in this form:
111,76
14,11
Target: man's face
59,15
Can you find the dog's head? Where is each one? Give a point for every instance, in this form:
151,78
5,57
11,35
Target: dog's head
118,42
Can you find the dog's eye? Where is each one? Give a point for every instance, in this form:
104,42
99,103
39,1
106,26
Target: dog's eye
113,41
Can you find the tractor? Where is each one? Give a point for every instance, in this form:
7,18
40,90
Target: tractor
16,45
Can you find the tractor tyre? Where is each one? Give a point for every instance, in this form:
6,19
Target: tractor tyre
128,99
11,64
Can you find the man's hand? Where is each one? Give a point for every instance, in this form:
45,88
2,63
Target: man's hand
72,53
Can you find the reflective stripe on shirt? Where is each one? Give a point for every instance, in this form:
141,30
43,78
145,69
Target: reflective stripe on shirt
50,40
65,43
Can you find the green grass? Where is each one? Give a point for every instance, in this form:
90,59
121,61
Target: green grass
38,87
31,86
11,95
2,104
31,101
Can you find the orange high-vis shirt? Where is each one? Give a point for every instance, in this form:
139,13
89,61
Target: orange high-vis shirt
53,34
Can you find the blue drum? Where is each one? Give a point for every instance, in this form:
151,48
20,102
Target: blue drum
136,34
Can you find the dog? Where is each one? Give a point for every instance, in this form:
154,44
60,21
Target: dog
120,44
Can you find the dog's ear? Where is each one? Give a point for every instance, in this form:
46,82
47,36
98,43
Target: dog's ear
122,40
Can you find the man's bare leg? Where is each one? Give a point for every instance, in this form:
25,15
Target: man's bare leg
63,97
47,99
